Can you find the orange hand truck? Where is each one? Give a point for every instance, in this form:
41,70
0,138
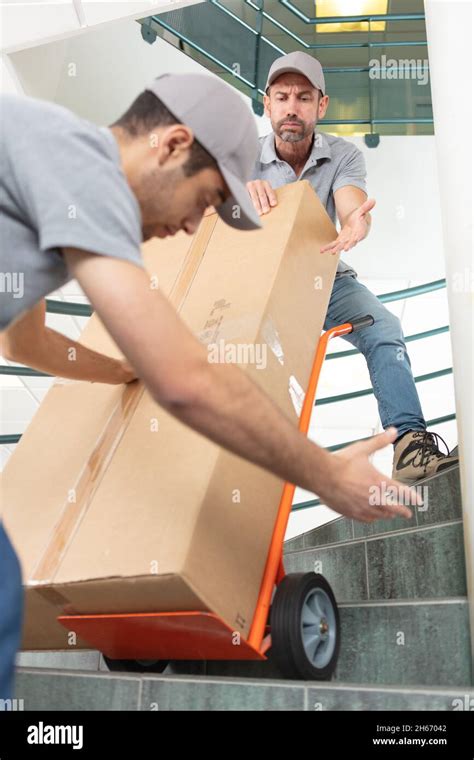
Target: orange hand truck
296,619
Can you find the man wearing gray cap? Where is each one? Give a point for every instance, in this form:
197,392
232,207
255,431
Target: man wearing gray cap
76,201
295,101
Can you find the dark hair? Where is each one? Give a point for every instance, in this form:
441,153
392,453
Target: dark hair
147,112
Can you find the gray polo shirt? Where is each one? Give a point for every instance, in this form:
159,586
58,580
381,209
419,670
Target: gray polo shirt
332,164
61,185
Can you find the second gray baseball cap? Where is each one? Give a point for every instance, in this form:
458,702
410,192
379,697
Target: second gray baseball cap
225,126
298,63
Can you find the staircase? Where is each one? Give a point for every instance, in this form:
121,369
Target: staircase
401,591
401,588
239,42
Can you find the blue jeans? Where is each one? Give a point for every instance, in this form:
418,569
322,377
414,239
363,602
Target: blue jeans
383,346
11,613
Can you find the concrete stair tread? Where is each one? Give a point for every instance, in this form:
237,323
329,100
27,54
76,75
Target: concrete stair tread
421,563
409,530
443,506
208,678
82,690
431,601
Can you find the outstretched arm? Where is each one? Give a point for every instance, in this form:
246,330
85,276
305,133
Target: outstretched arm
352,208
30,342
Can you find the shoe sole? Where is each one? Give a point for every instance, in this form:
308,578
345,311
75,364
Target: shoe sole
411,481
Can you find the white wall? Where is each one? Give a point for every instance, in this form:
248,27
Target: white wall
449,29
99,74
39,21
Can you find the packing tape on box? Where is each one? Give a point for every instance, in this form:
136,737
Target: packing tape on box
297,395
66,381
52,596
93,470
228,331
272,338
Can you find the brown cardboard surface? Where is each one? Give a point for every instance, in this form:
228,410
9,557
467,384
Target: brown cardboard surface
60,447
168,520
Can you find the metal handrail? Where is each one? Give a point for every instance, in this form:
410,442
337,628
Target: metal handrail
327,70
262,14
204,52
15,437
369,391
84,310
326,45
19,371
408,339
307,45
10,438
416,290
72,308
16,369
350,19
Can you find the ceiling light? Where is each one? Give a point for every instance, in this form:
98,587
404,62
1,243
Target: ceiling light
329,8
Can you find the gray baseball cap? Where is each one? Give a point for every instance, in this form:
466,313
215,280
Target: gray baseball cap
298,63
225,126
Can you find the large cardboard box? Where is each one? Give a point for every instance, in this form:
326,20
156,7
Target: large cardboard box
112,504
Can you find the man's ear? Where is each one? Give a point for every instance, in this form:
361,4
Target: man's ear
266,105
174,144
323,106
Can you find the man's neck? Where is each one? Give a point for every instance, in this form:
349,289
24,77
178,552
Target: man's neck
294,153
131,154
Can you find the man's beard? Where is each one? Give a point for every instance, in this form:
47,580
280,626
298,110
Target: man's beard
154,196
290,135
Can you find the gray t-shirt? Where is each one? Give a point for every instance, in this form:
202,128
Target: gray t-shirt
61,185
332,164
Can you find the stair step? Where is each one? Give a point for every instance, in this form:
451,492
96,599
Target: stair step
73,690
443,505
391,642
406,642
386,643
401,589
418,563
83,660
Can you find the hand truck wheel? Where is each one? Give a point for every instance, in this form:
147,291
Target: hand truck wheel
304,627
136,666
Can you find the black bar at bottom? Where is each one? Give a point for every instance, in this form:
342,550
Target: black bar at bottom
427,734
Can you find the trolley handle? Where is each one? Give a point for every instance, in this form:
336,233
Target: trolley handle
359,324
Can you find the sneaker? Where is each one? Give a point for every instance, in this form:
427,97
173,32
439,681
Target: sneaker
417,456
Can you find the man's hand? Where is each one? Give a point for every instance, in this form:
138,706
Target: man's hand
262,195
128,373
121,371
354,487
355,228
